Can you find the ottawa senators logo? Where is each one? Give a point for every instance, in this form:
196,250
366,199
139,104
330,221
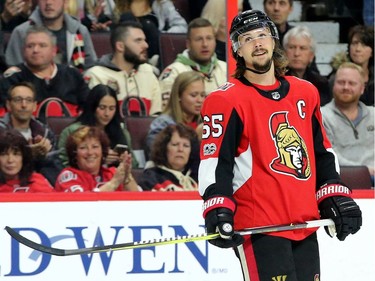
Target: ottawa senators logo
293,158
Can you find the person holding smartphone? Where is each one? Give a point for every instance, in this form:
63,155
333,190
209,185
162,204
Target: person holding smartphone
101,110
87,147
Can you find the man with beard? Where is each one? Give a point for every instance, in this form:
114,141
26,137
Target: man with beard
348,121
73,39
127,72
255,124
199,56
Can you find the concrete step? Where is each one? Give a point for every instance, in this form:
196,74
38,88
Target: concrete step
324,54
296,14
323,31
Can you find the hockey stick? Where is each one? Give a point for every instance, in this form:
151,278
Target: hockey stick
162,241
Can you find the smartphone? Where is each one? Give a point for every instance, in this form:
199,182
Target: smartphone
121,148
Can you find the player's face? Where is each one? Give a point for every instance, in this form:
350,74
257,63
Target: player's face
22,104
192,98
299,53
11,163
348,86
105,111
178,152
39,50
359,52
278,10
201,44
51,9
256,47
89,155
135,50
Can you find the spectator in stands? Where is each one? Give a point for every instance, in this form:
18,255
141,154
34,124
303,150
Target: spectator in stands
126,69
361,52
299,46
73,39
101,110
155,16
16,168
184,106
368,12
199,56
20,105
50,79
349,122
170,156
100,14
169,19
3,65
96,15
15,12
279,11
214,12
87,147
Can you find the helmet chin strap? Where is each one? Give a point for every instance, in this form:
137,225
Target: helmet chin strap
260,72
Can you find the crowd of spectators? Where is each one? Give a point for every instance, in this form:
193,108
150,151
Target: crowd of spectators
49,54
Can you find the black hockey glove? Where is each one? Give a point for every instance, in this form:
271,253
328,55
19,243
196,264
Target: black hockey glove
219,218
343,210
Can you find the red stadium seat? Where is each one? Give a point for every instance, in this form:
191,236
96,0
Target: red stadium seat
138,128
356,177
101,43
183,7
171,44
57,123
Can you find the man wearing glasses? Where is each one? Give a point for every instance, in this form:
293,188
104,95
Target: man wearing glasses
20,105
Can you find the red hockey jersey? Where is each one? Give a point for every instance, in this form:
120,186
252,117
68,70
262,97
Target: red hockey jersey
267,149
37,183
75,180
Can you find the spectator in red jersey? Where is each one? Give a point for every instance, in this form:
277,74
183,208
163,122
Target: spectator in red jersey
87,147
100,110
170,156
16,168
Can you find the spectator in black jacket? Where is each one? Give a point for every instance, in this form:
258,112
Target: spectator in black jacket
299,45
50,79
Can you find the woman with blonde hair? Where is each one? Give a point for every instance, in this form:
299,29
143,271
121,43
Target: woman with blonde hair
183,107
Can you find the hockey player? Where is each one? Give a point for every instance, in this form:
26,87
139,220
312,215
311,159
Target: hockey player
266,160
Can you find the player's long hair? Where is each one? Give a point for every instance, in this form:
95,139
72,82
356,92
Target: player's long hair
280,62
12,140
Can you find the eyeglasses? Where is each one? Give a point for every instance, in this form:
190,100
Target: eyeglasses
20,100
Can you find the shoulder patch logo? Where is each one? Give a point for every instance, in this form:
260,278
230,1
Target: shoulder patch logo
166,73
225,86
209,149
67,176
